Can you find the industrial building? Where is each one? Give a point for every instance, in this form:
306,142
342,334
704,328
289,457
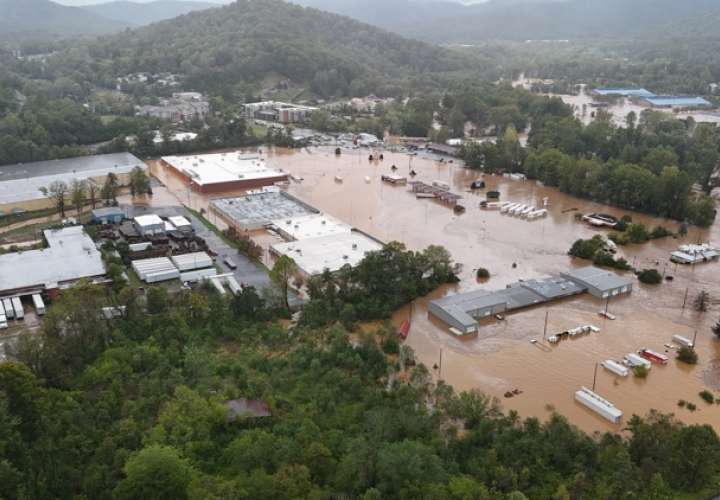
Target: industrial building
70,256
694,254
222,172
304,227
20,184
149,225
461,311
624,92
108,215
599,283
155,270
257,210
314,255
680,102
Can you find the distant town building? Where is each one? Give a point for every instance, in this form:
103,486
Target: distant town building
623,92
182,107
677,102
368,103
274,111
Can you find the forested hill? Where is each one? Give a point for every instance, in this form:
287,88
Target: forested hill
537,20
249,40
43,18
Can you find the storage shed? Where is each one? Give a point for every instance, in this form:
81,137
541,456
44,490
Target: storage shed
181,223
108,215
149,225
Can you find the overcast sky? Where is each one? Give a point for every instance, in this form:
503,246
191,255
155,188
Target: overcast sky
92,2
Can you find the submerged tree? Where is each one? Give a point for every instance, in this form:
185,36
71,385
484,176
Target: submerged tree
701,301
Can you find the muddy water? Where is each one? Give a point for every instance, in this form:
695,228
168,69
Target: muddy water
501,357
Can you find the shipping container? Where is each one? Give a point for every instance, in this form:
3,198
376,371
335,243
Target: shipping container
18,308
39,304
9,311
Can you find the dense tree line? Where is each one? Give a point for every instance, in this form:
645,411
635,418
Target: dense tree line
134,408
648,166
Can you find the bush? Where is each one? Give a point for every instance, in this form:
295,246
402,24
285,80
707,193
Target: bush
687,355
483,274
691,406
707,396
682,403
650,277
660,232
391,346
640,371
636,233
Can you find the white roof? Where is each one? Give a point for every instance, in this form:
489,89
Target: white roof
223,167
71,255
179,221
311,226
330,252
149,220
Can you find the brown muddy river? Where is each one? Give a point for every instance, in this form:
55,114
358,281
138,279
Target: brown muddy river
501,358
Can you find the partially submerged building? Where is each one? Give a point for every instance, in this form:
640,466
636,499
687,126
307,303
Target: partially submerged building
623,92
20,184
257,210
330,252
462,311
70,256
694,254
222,172
275,111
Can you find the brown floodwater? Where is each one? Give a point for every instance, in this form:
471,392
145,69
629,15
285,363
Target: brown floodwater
500,357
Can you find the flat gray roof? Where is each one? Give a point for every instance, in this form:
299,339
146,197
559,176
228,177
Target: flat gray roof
463,306
257,210
79,164
71,255
597,278
22,181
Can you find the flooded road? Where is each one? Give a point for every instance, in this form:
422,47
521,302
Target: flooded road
501,358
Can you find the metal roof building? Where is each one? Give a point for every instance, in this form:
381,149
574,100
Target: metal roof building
21,182
71,255
598,282
462,310
625,92
677,102
255,211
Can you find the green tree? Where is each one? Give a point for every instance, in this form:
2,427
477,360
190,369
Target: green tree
77,194
283,271
155,472
56,192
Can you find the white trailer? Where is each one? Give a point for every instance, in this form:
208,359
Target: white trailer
633,360
9,311
615,367
3,321
599,405
683,341
230,263
39,304
18,308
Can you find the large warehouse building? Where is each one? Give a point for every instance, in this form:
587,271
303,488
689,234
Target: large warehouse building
71,255
223,172
20,184
257,210
461,311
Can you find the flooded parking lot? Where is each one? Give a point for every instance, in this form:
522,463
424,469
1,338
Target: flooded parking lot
501,357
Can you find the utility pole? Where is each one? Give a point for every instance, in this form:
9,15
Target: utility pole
607,304
595,376
440,366
694,337
545,328
685,299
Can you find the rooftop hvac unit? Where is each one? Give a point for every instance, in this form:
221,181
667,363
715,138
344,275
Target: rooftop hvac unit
241,176
345,257
354,246
323,222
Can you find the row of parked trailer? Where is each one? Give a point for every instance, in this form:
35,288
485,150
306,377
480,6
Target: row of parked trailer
12,308
573,332
523,211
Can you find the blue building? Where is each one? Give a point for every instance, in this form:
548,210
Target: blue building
108,215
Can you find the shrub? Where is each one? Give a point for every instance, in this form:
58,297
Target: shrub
650,276
687,355
691,406
391,346
640,371
660,232
707,396
637,233
682,403
483,273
